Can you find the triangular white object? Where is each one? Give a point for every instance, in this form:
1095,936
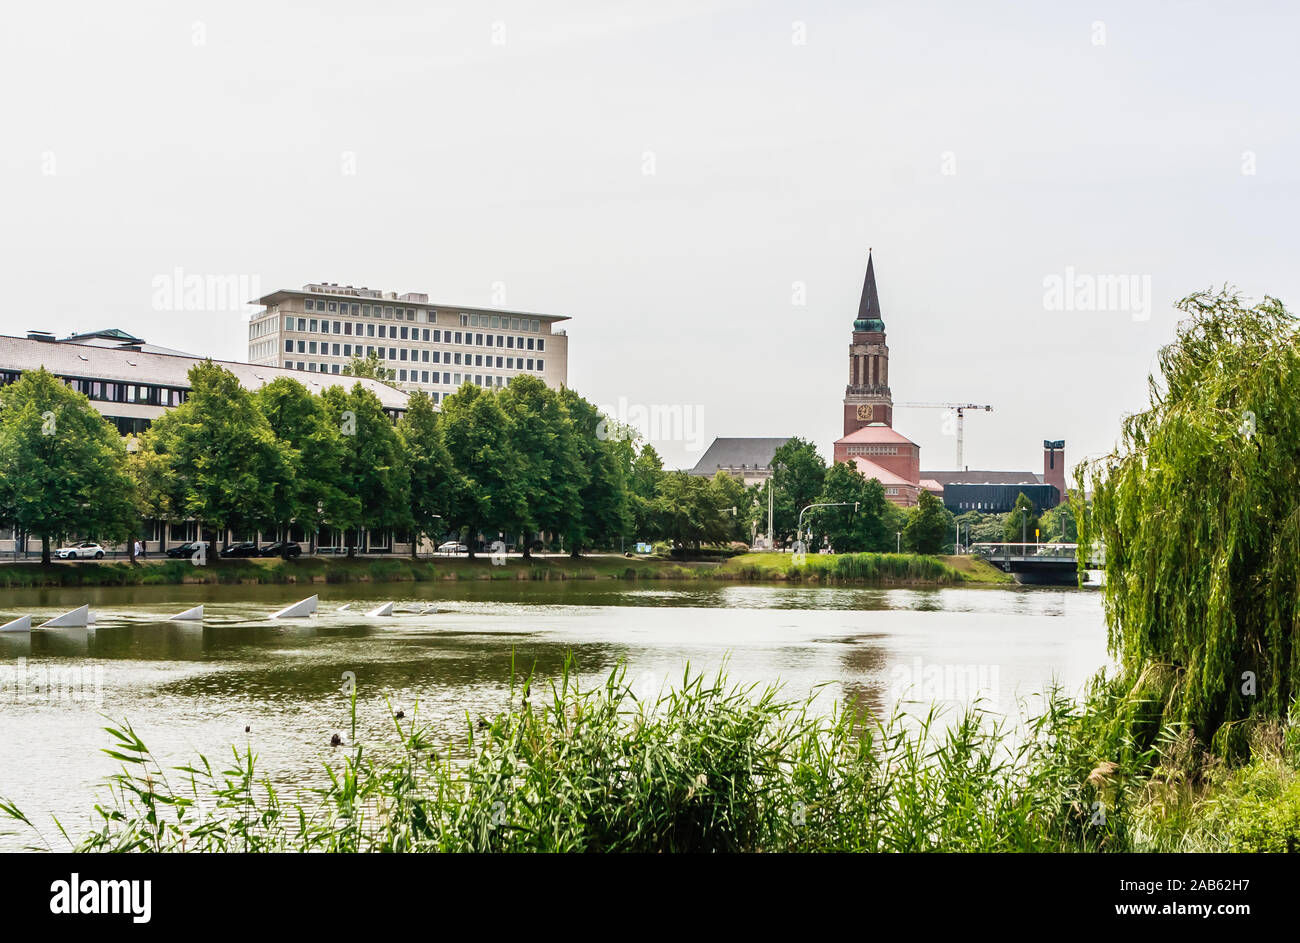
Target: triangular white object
23,624
299,610
77,617
385,610
189,615
345,607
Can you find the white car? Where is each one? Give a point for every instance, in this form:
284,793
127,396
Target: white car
86,550
452,546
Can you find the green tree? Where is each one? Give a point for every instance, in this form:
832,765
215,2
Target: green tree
850,530
1058,525
731,498
1021,523
643,489
225,464
606,511
371,367
553,474
375,469
313,493
437,486
62,466
1199,513
799,473
476,432
929,525
687,513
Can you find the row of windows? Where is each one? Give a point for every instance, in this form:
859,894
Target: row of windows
385,311
873,450
415,376
108,391
388,312
413,355
393,332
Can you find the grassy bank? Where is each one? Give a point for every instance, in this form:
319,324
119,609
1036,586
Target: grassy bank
867,568
711,767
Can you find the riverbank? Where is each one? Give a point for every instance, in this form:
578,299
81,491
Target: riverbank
859,568
708,767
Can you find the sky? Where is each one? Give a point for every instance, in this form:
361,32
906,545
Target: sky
695,183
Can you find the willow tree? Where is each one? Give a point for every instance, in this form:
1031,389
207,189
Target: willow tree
1199,512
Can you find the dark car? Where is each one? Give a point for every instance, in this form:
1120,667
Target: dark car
243,549
186,549
281,548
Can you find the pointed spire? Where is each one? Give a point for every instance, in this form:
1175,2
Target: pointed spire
869,318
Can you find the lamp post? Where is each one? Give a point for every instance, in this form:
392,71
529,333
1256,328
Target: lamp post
771,490
827,504
899,548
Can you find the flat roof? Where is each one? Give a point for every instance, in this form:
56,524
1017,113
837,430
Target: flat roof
136,366
282,293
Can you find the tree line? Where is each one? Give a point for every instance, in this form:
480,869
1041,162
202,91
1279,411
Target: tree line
513,462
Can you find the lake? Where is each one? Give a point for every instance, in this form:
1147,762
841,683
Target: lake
190,689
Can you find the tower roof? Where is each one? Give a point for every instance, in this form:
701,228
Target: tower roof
869,318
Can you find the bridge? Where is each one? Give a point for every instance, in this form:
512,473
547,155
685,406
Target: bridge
1053,564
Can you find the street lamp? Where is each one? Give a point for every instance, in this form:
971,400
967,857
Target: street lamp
900,542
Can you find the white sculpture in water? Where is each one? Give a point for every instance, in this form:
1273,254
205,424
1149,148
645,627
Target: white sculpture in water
385,610
22,624
76,618
189,615
299,610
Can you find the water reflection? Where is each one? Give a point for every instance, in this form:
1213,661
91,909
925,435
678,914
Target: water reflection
193,688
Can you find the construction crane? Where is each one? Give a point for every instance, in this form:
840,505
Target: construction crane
960,409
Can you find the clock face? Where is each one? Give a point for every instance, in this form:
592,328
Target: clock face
865,411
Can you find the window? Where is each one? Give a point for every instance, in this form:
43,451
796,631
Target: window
424,376
403,357
464,321
334,368
541,344
426,335
478,360
381,354
302,347
401,374
539,365
347,327
478,339
347,350
489,340
392,353
382,331
457,355
530,343
311,347
446,378
404,332
530,365
336,350
458,336
365,311
302,324
338,328
514,324
388,313
499,363
309,305
288,324
288,347
370,330
354,311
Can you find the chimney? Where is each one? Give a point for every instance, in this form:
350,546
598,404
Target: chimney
1054,465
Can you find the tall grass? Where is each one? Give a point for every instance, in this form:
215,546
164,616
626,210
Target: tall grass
708,766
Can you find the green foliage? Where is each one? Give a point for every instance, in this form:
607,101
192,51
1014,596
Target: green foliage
798,477
929,525
313,490
848,529
63,468
371,367
1199,512
437,486
1021,523
477,435
220,454
374,469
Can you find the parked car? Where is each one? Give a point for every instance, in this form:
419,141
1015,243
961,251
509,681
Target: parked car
186,549
452,546
86,550
281,548
245,548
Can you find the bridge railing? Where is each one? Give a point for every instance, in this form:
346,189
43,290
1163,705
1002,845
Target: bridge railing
1041,551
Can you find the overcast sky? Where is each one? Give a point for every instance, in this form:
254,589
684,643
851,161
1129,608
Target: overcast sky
695,183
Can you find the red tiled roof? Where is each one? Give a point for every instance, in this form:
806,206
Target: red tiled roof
870,470
876,435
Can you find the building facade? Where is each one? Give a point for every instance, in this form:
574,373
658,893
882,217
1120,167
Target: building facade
131,383
430,347
749,460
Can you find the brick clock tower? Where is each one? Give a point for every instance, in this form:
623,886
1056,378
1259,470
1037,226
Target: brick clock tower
867,400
